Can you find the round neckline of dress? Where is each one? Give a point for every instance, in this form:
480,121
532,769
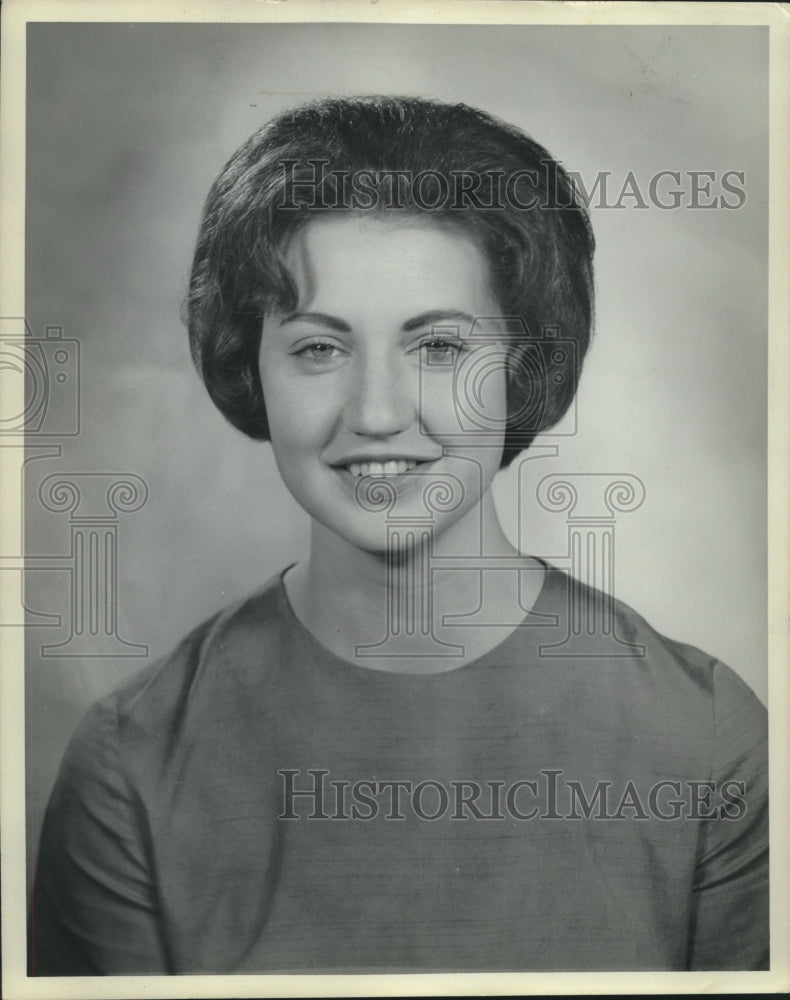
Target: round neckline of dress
550,574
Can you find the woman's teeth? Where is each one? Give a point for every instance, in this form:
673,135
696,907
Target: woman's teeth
393,468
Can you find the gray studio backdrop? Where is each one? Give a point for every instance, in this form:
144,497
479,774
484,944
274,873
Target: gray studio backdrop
128,124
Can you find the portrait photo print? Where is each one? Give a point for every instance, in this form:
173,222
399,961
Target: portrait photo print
394,464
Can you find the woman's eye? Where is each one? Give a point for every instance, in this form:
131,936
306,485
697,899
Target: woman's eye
318,352
439,350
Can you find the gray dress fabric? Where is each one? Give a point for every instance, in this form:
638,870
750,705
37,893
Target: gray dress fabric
253,803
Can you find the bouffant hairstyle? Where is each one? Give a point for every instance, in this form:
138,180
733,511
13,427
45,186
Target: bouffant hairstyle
448,163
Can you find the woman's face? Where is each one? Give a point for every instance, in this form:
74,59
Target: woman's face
381,382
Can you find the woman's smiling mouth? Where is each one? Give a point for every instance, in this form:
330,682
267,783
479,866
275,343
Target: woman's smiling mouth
392,467
384,468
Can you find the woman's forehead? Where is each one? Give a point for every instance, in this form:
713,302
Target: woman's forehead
367,250
359,225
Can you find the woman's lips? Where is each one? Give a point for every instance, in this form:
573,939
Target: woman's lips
397,472
383,468
392,467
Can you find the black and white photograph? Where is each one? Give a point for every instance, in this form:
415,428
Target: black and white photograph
395,499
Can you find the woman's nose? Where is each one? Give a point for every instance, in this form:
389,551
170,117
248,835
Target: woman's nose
381,401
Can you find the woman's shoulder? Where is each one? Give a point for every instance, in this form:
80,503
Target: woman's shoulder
593,626
665,700
224,644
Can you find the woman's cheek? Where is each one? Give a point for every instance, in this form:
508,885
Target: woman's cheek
303,420
466,405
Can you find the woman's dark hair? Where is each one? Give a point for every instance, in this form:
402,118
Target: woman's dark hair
445,162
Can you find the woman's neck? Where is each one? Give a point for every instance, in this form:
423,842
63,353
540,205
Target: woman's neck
388,612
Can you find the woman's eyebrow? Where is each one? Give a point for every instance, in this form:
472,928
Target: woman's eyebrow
436,316
320,319
429,318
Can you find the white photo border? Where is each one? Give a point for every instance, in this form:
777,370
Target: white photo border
15,16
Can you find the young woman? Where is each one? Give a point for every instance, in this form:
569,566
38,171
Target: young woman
389,758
